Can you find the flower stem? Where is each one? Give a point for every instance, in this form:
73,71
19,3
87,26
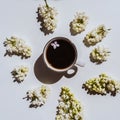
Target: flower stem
109,29
46,3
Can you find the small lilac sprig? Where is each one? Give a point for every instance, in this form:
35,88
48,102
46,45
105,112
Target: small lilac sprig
99,54
79,23
102,85
69,107
20,73
48,14
96,35
38,97
17,46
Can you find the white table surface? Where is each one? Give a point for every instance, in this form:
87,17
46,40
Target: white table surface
18,17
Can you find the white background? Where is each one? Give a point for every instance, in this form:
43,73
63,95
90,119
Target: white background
18,17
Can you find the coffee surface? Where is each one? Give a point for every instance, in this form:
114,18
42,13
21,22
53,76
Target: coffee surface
60,54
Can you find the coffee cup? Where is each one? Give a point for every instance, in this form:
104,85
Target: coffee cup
60,55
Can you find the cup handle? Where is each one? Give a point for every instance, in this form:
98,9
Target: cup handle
72,71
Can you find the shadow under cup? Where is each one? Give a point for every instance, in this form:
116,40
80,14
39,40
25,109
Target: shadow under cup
60,54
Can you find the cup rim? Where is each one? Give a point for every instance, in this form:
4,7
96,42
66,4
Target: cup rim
46,61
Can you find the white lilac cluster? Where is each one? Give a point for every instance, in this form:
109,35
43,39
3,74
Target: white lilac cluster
20,73
69,108
79,23
48,14
38,96
96,35
17,46
102,85
99,54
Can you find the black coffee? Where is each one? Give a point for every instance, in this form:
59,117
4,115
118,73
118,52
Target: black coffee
60,54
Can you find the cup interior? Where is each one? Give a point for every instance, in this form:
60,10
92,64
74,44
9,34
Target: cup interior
60,54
